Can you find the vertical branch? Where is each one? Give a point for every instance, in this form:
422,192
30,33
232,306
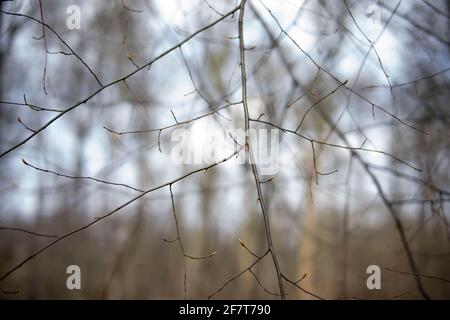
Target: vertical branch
178,239
180,243
248,147
345,235
388,205
45,45
341,135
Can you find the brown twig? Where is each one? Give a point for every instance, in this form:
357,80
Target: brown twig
127,203
249,149
81,177
29,232
102,88
416,274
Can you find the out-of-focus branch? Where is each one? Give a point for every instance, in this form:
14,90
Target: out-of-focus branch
60,39
346,147
238,275
413,22
335,78
89,97
367,169
371,43
415,81
44,36
414,274
180,242
77,230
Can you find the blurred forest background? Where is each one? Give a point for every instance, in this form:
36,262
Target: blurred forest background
329,220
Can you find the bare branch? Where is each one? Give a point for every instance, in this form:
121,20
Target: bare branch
77,230
85,100
81,177
416,274
29,232
249,149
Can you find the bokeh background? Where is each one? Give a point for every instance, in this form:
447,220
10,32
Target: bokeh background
330,230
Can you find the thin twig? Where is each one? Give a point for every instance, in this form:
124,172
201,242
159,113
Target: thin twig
337,145
81,177
318,102
31,106
249,149
45,46
295,284
180,242
238,275
29,232
77,230
336,78
60,39
95,93
177,123
416,274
